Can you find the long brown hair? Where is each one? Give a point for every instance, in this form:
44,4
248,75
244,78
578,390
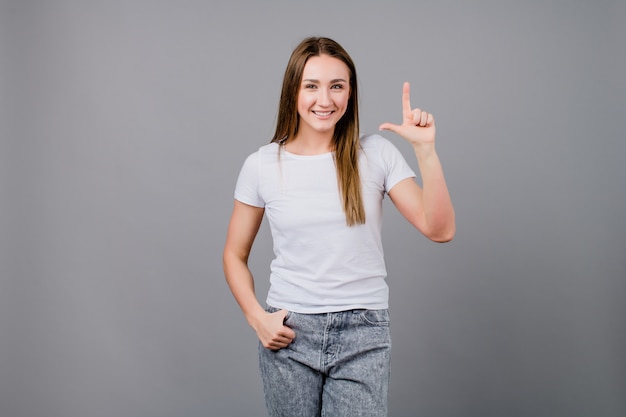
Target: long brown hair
346,133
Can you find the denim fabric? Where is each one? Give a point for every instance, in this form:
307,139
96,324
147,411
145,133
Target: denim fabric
337,366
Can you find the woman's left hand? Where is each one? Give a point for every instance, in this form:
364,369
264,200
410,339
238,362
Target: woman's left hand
418,126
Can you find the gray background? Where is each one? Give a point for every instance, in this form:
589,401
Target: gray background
124,125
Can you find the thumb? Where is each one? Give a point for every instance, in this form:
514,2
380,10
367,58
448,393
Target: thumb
389,126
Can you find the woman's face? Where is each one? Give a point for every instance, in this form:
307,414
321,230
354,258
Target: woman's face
324,94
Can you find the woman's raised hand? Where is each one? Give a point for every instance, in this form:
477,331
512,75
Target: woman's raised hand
418,126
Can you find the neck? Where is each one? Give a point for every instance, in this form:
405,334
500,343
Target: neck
310,143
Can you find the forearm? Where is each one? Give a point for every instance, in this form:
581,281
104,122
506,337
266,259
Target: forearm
241,284
437,205
269,327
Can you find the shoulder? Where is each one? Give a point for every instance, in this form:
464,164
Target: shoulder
263,153
264,150
375,142
268,148
375,145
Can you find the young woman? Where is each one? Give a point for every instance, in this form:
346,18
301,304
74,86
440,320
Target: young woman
324,334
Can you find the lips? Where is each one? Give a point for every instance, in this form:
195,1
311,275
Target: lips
322,113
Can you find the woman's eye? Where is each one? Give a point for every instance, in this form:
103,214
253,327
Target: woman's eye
308,86
337,86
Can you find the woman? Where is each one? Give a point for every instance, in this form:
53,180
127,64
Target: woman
324,334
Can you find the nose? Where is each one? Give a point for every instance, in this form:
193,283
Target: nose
324,98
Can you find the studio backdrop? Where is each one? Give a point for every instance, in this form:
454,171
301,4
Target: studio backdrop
124,124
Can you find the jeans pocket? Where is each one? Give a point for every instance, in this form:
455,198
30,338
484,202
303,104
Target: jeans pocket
271,309
375,317
287,317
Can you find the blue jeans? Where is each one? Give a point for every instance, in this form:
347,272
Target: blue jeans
337,366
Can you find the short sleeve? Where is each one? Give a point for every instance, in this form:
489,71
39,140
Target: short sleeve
247,188
397,169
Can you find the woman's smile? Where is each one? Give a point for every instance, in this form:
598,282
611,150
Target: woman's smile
322,114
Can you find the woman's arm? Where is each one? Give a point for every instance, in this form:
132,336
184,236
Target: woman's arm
429,208
242,230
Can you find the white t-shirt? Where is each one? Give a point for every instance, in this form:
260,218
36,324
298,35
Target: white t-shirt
321,264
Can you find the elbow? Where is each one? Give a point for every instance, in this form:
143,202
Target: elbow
443,229
443,235
224,261
443,238
227,261
439,227
230,259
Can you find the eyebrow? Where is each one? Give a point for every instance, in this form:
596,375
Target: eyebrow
336,80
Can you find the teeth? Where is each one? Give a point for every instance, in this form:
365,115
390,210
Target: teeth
323,113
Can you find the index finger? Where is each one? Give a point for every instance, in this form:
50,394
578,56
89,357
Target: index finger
406,100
